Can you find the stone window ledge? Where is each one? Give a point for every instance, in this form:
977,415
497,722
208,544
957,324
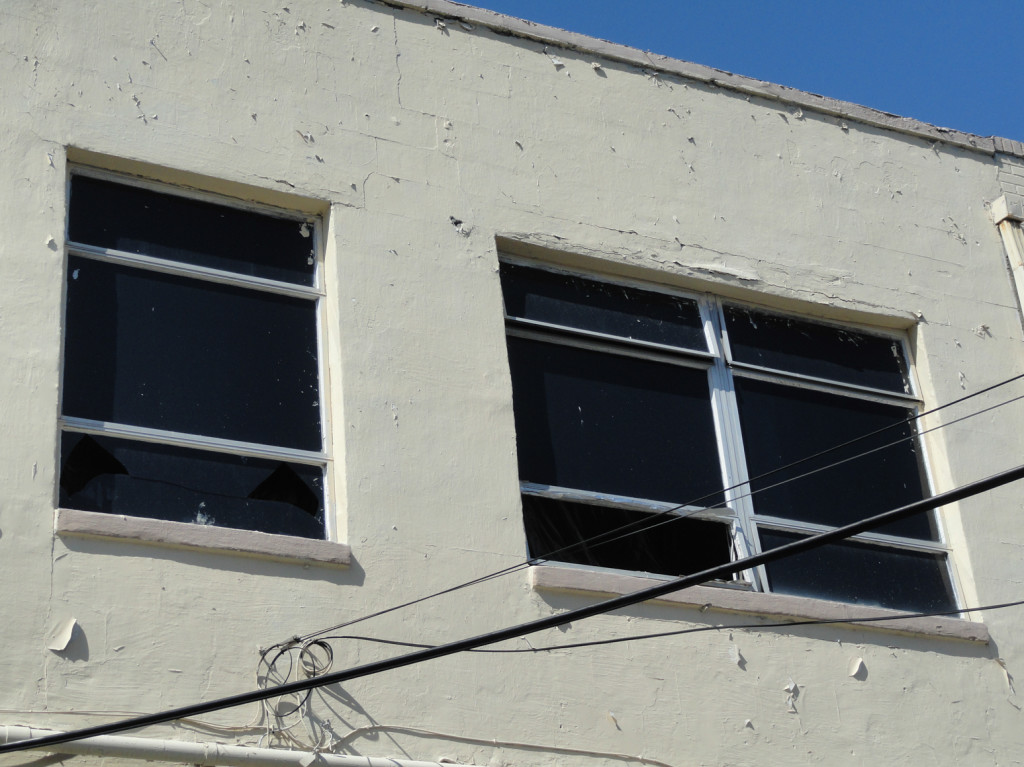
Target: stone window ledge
183,535
772,607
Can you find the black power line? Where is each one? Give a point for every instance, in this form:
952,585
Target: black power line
667,516
697,630
512,632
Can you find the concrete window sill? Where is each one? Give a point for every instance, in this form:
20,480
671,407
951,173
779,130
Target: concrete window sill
771,607
181,535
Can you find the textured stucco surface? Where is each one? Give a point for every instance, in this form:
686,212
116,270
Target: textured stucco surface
392,125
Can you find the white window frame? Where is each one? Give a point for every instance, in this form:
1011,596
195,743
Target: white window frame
722,371
315,293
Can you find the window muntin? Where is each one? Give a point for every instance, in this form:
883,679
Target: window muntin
809,387
191,386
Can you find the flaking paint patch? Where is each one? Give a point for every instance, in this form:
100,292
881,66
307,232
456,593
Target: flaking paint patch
61,635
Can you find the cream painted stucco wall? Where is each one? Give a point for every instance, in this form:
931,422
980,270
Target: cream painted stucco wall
391,125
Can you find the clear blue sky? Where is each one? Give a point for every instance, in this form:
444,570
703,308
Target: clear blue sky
953,64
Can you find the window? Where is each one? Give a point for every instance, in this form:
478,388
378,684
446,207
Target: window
191,382
632,401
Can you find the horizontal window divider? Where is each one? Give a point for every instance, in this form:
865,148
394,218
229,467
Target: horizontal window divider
721,513
625,347
771,375
881,539
739,584
181,269
198,442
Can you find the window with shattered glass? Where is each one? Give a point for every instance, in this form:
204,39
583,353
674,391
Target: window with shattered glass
191,385
665,432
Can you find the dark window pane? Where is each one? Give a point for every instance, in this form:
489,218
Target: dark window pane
153,350
612,424
136,220
601,307
782,424
862,574
182,485
811,349
675,546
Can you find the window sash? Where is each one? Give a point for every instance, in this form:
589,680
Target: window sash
313,292
740,507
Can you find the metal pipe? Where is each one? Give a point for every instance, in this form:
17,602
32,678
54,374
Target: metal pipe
212,754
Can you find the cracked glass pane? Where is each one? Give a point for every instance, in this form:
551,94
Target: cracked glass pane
177,484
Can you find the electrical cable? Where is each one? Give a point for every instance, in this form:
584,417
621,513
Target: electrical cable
651,524
511,632
670,513
697,630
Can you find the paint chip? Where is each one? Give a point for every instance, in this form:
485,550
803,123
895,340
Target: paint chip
1009,676
735,656
794,692
61,636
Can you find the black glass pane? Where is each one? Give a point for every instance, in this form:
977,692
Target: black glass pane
665,545
783,424
811,349
611,424
182,485
143,221
862,574
153,350
576,302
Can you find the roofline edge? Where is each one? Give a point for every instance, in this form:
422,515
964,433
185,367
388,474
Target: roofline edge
510,25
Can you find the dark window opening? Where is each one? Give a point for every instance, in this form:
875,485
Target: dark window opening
861,573
605,426
218,375
568,531
143,479
133,219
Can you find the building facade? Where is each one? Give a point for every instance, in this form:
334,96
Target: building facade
311,312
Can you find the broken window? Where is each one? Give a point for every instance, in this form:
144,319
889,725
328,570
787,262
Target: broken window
191,387
651,427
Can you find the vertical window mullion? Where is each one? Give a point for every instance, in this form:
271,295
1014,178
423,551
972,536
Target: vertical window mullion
730,440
